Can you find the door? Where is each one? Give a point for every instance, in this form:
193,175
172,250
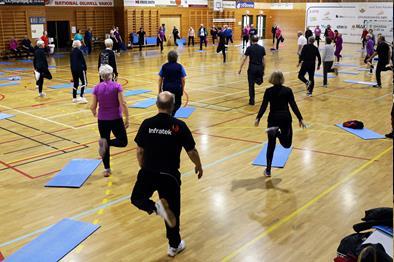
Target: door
260,26
246,20
60,32
170,22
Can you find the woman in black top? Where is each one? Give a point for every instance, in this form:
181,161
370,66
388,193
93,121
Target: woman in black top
40,64
175,33
221,45
279,118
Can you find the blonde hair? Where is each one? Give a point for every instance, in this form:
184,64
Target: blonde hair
277,78
76,44
105,72
108,42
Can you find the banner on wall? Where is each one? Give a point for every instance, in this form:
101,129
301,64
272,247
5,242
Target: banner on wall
97,3
229,4
217,5
153,3
244,4
350,18
22,2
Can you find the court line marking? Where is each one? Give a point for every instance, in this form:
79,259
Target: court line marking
305,206
127,197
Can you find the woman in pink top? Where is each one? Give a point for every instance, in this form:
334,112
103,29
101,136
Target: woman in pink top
109,96
14,47
279,37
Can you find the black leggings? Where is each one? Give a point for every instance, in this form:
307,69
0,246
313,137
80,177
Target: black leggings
81,75
222,48
285,135
168,185
191,39
327,68
40,82
245,40
117,127
309,68
160,43
255,76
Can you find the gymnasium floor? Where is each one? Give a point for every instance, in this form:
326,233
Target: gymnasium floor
233,213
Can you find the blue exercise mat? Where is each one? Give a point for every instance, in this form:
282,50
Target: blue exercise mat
348,73
4,116
144,103
281,155
360,82
55,243
25,61
385,229
135,92
184,112
346,65
5,63
1,73
74,174
51,67
11,78
18,69
9,84
60,86
200,51
321,75
364,133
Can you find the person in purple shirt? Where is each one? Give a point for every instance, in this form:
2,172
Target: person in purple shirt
317,35
370,49
109,96
338,46
160,38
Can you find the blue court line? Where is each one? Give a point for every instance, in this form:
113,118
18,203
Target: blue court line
127,197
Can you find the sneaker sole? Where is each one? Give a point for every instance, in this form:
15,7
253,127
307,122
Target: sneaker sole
169,215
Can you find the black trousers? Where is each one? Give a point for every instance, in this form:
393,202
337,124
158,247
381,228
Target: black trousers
317,38
160,42
191,39
285,135
245,40
327,68
222,48
140,44
178,103
203,39
117,128
168,185
89,46
44,73
309,68
273,38
175,38
213,39
379,68
79,75
255,76
277,43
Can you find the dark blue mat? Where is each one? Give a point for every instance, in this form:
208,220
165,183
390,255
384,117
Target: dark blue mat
144,103
364,133
74,174
281,155
184,112
55,243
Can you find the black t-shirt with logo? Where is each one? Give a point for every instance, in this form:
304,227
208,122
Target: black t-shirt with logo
162,138
256,54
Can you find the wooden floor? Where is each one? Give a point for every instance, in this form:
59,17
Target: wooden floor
233,213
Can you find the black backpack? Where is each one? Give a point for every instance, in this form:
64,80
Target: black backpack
354,124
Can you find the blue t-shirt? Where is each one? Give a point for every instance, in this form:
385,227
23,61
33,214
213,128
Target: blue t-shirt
183,72
78,37
172,74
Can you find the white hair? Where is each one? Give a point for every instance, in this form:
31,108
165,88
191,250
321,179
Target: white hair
108,42
40,43
76,44
105,72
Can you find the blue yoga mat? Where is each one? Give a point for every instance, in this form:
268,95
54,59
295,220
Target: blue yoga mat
9,84
144,103
18,69
1,73
11,78
55,243
135,92
74,174
5,63
200,51
360,82
184,112
346,65
4,116
52,67
321,75
60,86
386,229
281,155
364,133
348,73
25,61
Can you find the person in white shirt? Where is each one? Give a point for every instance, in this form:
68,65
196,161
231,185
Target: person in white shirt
301,42
191,36
328,60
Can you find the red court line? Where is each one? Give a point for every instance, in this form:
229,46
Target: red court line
16,169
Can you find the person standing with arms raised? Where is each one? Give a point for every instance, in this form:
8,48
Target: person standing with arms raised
307,61
160,140
255,53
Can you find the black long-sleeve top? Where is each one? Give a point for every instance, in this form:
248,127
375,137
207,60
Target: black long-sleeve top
309,53
77,60
107,57
279,97
40,60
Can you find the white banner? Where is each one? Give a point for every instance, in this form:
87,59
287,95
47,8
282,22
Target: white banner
97,3
229,4
223,20
350,18
217,5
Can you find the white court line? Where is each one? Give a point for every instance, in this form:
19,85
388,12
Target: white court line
68,114
38,117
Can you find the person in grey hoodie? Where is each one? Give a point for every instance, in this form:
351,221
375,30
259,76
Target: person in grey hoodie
328,60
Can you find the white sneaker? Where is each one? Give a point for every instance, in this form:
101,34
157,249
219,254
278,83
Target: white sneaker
172,251
42,94
82,100
75,100
163,210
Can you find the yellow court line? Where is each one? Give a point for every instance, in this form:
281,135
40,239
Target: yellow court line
304,207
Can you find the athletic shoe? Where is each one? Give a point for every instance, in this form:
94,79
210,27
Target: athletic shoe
42,94
377,86
103,145
163,210
107,172
308,94
82,100
389,135
75,100
172,251
267,173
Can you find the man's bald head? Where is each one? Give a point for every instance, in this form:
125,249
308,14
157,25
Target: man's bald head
165,102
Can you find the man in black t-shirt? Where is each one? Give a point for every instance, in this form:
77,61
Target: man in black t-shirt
160,140
256,54
141,38
383,51
252,31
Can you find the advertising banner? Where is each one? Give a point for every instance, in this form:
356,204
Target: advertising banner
96,3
